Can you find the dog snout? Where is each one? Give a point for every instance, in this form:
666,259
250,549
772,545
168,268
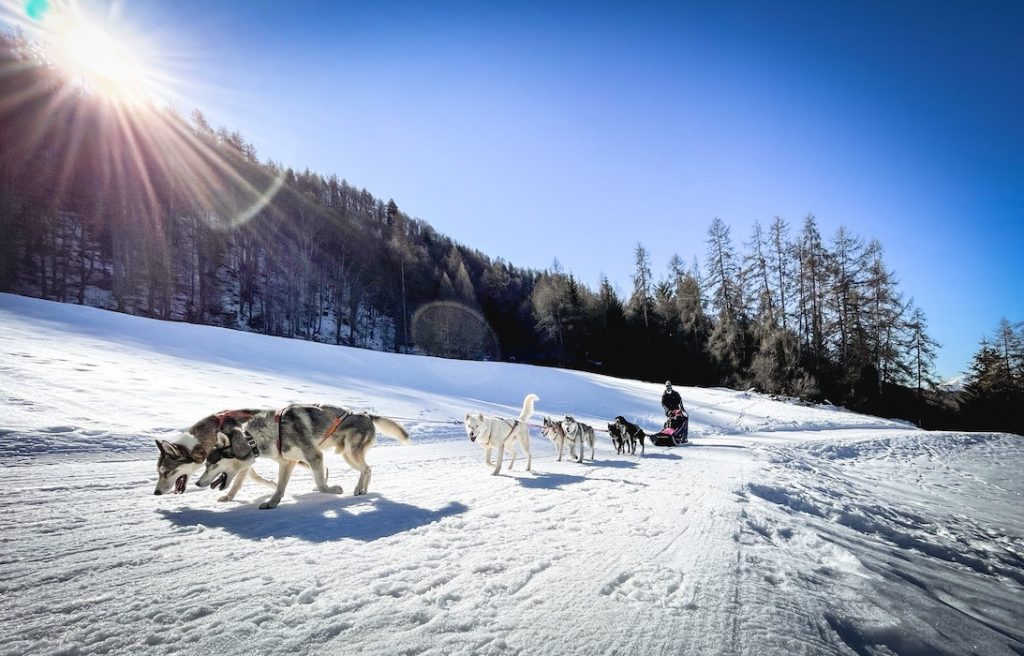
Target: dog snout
157,492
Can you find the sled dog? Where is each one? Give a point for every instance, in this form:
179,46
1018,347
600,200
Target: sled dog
580,432
555,431
298,434
633,432
185,454
619,438
500,432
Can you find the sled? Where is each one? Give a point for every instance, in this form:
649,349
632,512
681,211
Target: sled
676,430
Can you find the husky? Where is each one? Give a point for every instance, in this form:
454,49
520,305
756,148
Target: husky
499,432
619,438
298,434
555,432
633,432
583,433
186,453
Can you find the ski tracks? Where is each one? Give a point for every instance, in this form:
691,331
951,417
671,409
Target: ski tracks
888,544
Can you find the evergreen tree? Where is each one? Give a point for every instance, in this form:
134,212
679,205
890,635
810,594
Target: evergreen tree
726,341
641,303
922,349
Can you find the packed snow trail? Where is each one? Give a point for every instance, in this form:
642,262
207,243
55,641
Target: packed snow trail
783,529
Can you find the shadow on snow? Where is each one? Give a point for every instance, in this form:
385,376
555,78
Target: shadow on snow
546,481
318,518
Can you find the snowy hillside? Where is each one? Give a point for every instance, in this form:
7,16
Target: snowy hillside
782,529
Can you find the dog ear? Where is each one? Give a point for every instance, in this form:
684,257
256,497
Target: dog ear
222,439
171,450
198,454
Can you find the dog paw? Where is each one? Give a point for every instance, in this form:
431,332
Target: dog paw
332,489
268,505
224,497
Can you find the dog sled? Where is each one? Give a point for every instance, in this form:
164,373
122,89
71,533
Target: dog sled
676,430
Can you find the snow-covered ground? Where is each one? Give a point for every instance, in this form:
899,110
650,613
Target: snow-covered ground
782,529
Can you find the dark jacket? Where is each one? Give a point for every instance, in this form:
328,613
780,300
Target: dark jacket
671,401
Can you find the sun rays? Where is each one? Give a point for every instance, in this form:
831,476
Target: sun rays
104,97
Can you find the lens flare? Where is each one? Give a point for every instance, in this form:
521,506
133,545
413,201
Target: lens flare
100,90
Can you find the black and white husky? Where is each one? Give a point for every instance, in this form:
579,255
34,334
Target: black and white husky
499,432
632,432
185,454
580,432
619,439
297,434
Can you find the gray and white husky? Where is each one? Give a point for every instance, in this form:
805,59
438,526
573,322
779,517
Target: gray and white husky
185,454
580,432
499,432
297,434
555,431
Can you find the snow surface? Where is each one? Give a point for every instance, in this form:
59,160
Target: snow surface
783,529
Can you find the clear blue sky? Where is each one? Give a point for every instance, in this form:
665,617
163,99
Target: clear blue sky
575,130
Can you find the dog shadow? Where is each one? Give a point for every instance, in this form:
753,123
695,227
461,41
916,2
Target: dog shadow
615,464
546,481
663,456
318,518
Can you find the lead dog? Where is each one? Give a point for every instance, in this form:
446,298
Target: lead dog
580,432
633,432
184,455
298,434
499,432
555,432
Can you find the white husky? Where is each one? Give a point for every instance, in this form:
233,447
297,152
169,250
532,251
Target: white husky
499,432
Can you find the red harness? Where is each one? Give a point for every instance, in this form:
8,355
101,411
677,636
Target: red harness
221,417
334,427
277,418
330,431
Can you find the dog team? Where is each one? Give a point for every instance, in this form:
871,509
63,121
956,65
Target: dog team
226,445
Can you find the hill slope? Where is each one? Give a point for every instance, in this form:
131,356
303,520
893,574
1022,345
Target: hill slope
782,529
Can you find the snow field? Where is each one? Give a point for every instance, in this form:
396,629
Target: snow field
784,529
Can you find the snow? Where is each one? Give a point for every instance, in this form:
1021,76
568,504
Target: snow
783,528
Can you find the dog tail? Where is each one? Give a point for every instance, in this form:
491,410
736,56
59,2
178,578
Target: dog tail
388,427
528,406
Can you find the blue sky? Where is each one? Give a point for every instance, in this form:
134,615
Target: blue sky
573,131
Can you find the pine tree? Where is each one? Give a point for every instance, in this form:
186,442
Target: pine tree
726,341
642,302
779,264
922,349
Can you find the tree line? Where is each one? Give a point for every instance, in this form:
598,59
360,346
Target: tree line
161,215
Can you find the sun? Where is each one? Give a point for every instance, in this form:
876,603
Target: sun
102,61
92,56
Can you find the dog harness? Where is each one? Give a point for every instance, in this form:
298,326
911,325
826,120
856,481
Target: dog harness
277,418
252,444
510,430
334,427
231,414
330,430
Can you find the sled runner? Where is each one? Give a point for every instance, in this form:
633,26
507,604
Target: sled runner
676,429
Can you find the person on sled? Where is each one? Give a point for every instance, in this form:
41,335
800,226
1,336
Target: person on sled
677,426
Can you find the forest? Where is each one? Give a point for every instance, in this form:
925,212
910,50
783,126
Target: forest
161,215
